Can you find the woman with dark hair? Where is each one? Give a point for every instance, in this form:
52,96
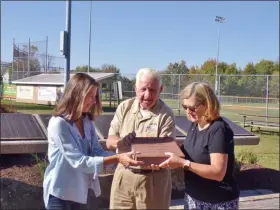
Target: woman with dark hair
209,152
76,158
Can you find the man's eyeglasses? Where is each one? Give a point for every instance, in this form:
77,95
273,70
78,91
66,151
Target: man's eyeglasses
191,108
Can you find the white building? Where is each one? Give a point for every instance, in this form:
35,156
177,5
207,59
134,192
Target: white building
47,88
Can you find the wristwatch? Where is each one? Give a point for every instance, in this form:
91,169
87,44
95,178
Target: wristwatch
186,165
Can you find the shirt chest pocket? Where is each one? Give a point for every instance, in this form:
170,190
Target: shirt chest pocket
151,130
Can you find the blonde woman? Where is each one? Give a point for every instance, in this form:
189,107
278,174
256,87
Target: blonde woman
76,158
209,153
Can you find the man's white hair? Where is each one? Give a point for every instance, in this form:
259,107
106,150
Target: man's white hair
149,72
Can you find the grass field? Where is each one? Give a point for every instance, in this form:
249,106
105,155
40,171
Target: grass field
28,108
234,111
267,151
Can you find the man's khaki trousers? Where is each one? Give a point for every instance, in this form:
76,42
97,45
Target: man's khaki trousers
140,191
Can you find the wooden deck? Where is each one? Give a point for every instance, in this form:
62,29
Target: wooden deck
272,203
260,202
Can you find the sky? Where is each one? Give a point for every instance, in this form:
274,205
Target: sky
136,34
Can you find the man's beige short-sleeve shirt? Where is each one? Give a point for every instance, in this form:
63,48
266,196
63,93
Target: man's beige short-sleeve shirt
158,122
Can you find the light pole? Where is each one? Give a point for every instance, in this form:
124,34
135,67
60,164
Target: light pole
89,38
218,19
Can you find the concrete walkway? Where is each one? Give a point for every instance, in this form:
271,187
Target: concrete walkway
249,199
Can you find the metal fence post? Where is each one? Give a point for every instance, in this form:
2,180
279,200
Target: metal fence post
12,75
179,88
219,89
17,69
23,66
28,63
267,92
46,63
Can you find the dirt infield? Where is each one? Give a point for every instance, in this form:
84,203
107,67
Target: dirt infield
243,108
255,108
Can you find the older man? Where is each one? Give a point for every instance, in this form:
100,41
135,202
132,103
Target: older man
143,116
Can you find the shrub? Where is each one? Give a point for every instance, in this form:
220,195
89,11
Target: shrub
247,157
42,164
244,157
5,108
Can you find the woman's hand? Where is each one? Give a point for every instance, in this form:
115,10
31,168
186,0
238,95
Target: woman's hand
173,161
127,159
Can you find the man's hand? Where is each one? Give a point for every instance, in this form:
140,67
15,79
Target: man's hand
126,159
126,141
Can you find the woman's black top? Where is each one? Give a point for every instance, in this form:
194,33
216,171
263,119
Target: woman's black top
217,138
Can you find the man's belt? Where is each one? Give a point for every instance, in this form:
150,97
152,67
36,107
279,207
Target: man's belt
143,171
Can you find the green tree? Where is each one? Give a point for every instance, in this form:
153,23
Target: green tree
25,57
276,67
170,79
229,85
109,68
249,69
231,69
208,67
247,83
274,85
265,67
194,70
35,66
106,68
84,68
222,67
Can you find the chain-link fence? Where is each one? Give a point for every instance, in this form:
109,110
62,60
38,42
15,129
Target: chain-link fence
251,94
32,58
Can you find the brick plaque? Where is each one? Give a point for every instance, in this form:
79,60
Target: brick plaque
152,149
